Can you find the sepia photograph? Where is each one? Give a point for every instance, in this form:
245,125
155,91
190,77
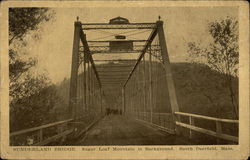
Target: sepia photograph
123,77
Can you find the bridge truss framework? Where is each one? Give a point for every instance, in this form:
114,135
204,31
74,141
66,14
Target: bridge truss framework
82,54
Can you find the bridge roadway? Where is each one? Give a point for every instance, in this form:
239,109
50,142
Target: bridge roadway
119,130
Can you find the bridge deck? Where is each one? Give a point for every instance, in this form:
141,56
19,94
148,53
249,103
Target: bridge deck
119,130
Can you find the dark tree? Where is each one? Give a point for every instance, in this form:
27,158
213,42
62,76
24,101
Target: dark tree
30,95
24,20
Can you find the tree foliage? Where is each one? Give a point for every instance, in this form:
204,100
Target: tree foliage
31,96
24,20
35,109
21,22
222,54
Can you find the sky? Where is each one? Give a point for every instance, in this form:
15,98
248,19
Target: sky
181,25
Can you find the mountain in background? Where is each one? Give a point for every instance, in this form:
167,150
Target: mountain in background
199,90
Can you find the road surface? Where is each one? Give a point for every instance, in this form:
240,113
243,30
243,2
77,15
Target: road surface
119,130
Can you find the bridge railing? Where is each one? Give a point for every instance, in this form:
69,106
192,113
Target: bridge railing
41,135
218,126
163,121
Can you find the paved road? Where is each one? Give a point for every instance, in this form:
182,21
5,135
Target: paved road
118,130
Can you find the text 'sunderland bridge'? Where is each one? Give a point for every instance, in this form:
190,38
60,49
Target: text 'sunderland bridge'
127,98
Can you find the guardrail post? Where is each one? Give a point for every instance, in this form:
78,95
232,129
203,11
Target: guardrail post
40,135
61,128
191,122
218,131
176,118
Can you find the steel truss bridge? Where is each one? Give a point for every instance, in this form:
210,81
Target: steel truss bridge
146,110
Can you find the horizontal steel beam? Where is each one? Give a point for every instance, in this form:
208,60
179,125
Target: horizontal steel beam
115,69
137,40
95,26
113,77
127,71
114,73
112,83
106,49
115,66
113,52
134,46
120,82
108,60
112,80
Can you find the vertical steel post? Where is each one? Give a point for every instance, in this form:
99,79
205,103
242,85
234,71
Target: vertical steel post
84,83
132,97
74,71
139,89
77,98
169,77
101,100
150,85
91,86
144,88
81,93
88,88
136,92
128,100
123,100
154,96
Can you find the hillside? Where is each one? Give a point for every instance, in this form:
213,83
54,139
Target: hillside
199,90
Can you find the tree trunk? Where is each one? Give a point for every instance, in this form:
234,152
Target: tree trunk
233,99
218,110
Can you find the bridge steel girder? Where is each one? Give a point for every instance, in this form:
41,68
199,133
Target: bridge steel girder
134,41
150,87
149,41
144,87
108,60
86,46
157,29
96,26
106,49
84,85
74,70
169,76
89,83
